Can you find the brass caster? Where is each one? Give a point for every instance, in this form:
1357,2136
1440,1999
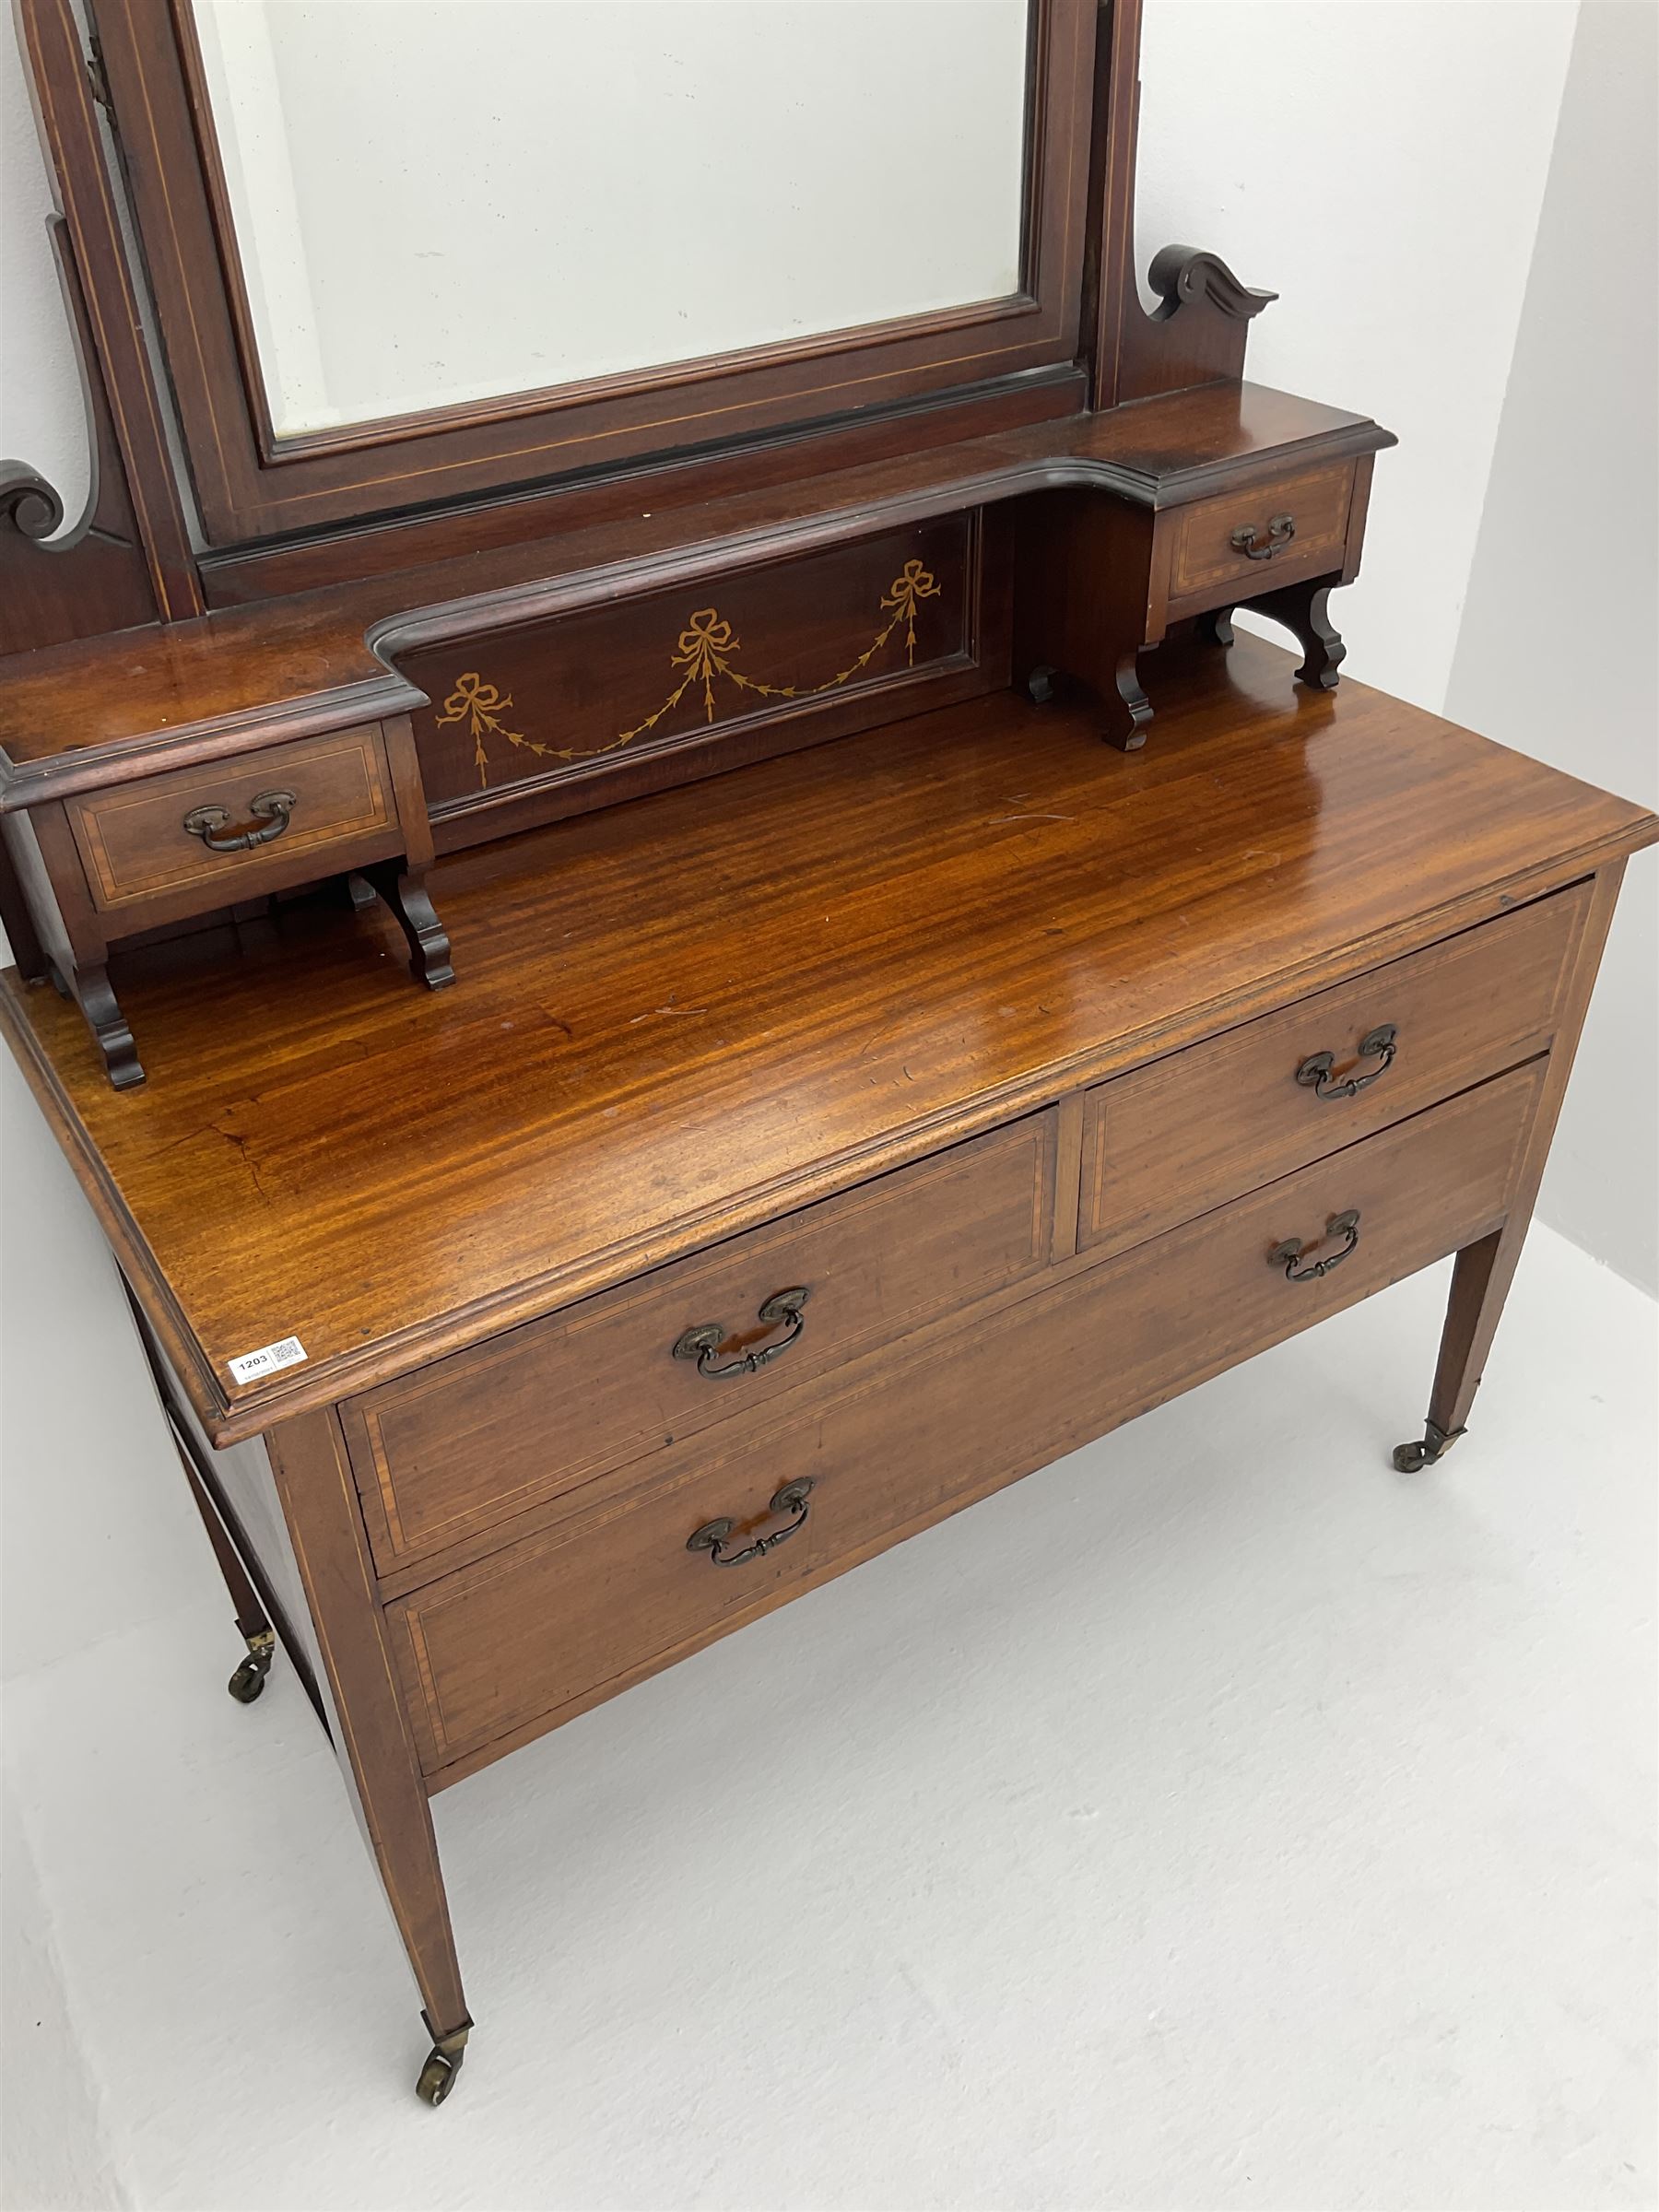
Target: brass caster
1411,1459
437,2076
1039,685
248,1680
443,2061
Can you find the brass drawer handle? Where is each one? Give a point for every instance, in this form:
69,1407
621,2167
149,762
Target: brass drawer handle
274,808
1281,529
1287,1255
703,1342
1379,1045
791,1499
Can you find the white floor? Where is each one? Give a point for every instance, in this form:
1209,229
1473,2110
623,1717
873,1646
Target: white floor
1216,1819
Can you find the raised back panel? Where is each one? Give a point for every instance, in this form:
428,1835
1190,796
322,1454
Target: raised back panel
563,714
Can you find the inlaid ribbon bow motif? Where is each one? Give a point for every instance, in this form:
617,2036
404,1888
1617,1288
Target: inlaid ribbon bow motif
703,644
704,650
480,706
912,584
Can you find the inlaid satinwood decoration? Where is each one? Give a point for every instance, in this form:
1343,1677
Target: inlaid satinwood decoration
704,652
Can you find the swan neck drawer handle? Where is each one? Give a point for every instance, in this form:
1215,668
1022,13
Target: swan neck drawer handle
274,808
1281,529
783,1309
711,1536
1379,1045
1289,1255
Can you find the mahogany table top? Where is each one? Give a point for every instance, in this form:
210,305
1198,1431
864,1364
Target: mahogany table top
678,1017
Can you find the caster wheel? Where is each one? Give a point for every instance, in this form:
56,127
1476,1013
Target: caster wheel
1409,1459
1039,686
249,1679
436,2078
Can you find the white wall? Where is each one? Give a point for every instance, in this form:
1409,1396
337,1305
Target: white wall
1558,654
1381,165
1388,166
41,416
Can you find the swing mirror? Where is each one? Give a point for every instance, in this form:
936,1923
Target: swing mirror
534,197
405,253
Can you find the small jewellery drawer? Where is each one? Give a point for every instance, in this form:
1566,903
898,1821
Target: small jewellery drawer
231,828
491,1433
510,1645
1248,540
1191,1131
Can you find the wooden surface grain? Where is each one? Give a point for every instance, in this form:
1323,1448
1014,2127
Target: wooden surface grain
464,1445
677,1017
1156,1149
516,1642
322,658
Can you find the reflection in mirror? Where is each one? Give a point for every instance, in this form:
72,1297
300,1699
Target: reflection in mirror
438,202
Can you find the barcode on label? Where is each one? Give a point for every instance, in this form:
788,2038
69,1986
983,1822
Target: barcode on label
269,1360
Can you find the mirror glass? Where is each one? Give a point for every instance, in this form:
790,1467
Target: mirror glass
438,202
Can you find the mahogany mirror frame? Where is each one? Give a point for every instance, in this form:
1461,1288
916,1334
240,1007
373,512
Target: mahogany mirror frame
250,485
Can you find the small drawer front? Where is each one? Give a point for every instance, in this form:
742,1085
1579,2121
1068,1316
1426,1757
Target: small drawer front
539,1412
284,812
1191,1131
1251,540
511,1645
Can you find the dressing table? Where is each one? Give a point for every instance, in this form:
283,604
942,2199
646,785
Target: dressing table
669,953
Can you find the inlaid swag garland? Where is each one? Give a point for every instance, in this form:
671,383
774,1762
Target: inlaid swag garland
704,651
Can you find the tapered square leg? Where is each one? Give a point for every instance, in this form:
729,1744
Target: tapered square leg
377,1753
1483,1271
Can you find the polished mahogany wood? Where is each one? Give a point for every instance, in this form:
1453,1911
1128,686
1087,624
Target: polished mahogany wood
1296,525
683,1016
1156,1149
1099,582
586,708
462,1445
491,1654
138,851
372,1739
135,857
1485,1269
101,709
240,575
888,1117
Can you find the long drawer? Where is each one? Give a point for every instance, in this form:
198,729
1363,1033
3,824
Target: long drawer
473,1440
1189,1131
496,1651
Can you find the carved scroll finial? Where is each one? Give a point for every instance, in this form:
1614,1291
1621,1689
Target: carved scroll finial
27,502
1179,274
57,584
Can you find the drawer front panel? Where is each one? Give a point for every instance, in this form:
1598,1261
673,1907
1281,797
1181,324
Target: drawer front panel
1191,1131
135,847
1204,562
536,1414
505,1648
